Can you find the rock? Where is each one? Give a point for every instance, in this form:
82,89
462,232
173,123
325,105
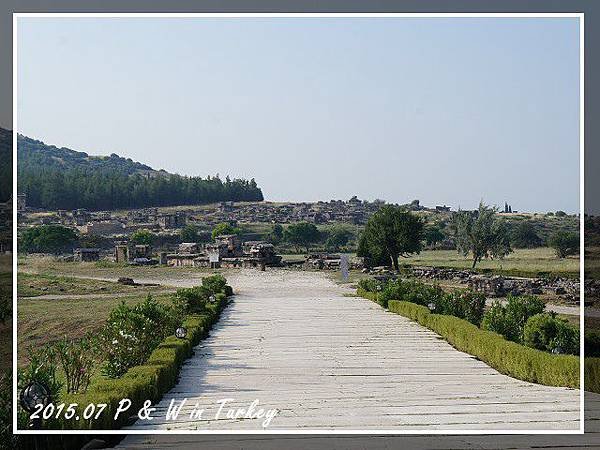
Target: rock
126,281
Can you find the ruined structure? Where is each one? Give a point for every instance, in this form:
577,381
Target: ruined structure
225,251
86,254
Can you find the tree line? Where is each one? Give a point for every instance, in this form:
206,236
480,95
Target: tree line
52,188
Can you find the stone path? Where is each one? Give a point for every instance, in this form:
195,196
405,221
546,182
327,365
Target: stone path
295,343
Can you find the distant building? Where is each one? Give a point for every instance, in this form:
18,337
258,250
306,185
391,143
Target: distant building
442,208
86,254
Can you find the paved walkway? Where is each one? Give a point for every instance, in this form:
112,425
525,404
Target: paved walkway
295,343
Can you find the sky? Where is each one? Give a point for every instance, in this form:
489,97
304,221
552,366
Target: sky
445,110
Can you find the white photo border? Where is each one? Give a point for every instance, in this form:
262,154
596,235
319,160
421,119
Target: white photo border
321,431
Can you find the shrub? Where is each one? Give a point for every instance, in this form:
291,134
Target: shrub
509,320
192,299
130,334
497,320
464,304
507,357
42,368
592,343
369,284
422,294
148,381
214,283
548,332
392,290
77,359
564,243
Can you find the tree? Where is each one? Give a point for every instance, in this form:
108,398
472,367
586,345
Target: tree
142,237
276,234
337,237
481,234
560,213
433,234
224,228
301,234
189,233
390,233
48,239
523,235
564,243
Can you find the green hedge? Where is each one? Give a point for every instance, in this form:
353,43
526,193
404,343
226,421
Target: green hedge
146,382
507,357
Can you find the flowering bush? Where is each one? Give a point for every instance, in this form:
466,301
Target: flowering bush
131,333
77,359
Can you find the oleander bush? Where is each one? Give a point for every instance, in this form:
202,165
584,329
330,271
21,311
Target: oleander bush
131,333
552,334
509,319
77,358
464,304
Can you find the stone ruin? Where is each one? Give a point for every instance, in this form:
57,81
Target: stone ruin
329,261
226,251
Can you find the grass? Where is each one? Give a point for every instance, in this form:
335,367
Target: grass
522,262
48,265
33,285
42,321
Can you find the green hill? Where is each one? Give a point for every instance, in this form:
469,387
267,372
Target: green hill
61,178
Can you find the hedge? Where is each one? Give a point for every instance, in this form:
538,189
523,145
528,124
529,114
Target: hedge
146,382
509,358
506,357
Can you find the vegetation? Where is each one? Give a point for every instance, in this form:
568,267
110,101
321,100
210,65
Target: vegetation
77,358
5,164
60,178
509,320
481,234
54,239
34,285
138,360
391,232
433,234
338,236
190,233
131,333
549,333
523,235
301,234
142,237
534,262
276,234
224,228
564,243
507,357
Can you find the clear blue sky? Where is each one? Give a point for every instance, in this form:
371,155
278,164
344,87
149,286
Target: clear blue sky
449,111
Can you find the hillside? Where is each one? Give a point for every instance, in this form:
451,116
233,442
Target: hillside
61,178
5,164
35,152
